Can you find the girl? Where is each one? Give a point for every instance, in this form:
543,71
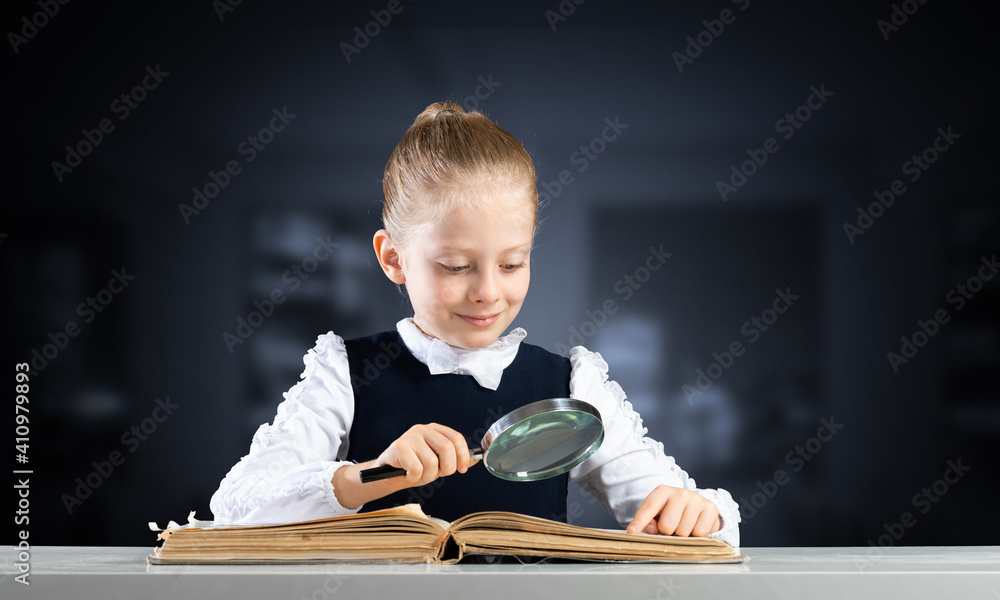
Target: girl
460,214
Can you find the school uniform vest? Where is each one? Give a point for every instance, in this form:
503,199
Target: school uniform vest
394,391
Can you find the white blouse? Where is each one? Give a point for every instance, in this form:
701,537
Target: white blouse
287,475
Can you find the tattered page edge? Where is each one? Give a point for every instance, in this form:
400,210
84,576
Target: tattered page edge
411,509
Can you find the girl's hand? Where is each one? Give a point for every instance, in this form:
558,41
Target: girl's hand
427,452
675,511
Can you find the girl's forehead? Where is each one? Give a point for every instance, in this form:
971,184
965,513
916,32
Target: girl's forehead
472,228
481,194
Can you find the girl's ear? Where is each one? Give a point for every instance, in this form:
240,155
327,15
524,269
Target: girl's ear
388,256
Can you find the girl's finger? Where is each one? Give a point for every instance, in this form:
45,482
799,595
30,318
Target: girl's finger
649,508
430,457
444,452
408,459
689,518
460,446
707,523
670,516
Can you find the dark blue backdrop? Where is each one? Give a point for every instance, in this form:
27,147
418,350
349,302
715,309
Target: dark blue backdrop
777,223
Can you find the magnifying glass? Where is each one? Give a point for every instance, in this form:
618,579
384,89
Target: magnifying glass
539,440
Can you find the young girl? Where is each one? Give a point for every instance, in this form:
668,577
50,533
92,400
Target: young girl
460,213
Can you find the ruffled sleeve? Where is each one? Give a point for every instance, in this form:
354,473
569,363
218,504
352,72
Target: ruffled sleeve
629,465
287,474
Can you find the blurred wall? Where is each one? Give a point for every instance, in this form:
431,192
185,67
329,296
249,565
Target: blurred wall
709,174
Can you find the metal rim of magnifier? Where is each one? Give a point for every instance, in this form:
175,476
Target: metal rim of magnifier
537,408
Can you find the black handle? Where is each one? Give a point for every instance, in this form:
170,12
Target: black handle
379,473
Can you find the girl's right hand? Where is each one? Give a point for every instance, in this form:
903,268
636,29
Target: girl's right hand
428,452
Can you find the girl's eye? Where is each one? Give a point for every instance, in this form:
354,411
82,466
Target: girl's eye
462,268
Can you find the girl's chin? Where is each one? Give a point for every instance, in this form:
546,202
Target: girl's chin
471,343
474,340
467,336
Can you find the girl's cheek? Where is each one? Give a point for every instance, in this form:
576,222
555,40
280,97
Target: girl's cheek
439,304
446,293
518,288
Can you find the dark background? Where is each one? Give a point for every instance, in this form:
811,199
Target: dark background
654,186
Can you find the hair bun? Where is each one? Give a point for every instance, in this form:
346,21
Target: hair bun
439,108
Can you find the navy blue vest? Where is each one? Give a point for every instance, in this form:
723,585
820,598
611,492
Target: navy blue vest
393,391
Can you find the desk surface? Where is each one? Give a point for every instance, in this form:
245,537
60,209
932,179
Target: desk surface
814,573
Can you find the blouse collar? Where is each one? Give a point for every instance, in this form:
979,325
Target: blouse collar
486,365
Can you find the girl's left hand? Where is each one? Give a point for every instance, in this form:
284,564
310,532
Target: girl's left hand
675,511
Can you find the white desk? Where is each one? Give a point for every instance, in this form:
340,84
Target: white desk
966,573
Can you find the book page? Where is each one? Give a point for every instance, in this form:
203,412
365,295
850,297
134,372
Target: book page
400,534
520,535
516,522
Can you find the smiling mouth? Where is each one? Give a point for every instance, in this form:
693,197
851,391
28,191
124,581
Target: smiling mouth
481,321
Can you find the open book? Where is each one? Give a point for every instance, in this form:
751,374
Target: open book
405,534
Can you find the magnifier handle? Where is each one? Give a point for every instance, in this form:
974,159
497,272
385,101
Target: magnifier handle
379,473
389,471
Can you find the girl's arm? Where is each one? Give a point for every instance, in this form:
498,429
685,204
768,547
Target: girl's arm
629,468
296,469
287,473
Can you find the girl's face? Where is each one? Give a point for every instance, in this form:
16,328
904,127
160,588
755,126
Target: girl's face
467,273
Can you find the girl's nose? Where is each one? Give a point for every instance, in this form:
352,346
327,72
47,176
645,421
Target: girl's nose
485,289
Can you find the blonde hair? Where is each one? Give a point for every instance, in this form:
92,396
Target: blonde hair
443,152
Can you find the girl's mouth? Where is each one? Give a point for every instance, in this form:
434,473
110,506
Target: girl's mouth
484,321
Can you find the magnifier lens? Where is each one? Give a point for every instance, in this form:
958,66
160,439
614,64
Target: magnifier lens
544,445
